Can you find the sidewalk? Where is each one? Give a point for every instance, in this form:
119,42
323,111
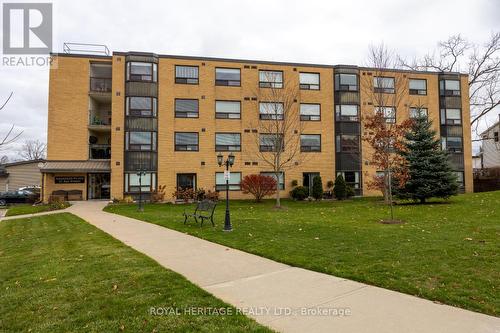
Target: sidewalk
250,282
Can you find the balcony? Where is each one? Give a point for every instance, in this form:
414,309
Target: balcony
100,120
100,84
99,152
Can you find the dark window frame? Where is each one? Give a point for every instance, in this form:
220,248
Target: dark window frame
130,112
132,146
152,185
388,118
308,117
417,108
225,83
185,80
217,147
339,147
177,114
450,92
342,87
340,117
445,121
419,92
272,174
222,187
268,148
269,116
186,174
309,149
267,84
176,146
352,184
384,90
307,86
154,78
219,115
459,150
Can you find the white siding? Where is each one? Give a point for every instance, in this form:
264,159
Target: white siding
491,149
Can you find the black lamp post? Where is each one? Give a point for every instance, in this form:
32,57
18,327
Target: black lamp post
228,163
140,173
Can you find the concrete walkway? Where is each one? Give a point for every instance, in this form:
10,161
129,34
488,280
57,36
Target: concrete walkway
5,218
268,291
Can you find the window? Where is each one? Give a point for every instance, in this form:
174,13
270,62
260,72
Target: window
234,181
142,71
227,77
186,181
310,112
495,136
418,87
186,141
347,112
228,109
346,82
309,81
347,143
271,111
452,144
383,84
147,182
271,79
227,142
141,106
310,142
449,88
418,112
280,180
451,117
186,108
186,74
271,142
351,178
388,112
460,178
140,140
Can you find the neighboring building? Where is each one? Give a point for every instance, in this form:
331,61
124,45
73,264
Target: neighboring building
477,162
110,116
490,149
20,174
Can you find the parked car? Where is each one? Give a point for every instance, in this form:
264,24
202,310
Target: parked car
18,197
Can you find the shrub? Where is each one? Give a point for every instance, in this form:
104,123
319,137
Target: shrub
299,193
184,194
295,183
259,186
329,184
127,199
159,194
340,188
349,191
56,205
317,190
212,195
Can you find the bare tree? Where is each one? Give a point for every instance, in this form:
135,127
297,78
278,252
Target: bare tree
482,63
277,141
381,131
33,150
11,134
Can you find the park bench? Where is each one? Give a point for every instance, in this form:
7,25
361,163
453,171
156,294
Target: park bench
204,210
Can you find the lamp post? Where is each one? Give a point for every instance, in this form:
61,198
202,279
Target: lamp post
228,163
140,173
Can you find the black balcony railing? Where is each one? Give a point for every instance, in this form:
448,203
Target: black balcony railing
98,84
99,152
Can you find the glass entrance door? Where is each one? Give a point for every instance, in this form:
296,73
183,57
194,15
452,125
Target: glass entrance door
99,186
307,180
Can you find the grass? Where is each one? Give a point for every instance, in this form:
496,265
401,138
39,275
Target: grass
60,274
30,209
446,251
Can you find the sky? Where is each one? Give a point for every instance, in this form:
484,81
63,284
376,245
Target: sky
312,31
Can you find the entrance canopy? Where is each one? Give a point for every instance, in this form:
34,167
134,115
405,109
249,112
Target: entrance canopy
75,166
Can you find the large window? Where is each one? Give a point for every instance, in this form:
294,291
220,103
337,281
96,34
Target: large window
418,87
452,144
345,112
449,88
147,182
460,178
346,82
234,181
388,112
280,180
451,116
271,111
310,142
186,181
186,141
141,106
310,112
347,143
142,71
271,79
351,178
309,81
228,77
383,84
418,112
227,142
140,140
228,109
271,142
186,74
186,108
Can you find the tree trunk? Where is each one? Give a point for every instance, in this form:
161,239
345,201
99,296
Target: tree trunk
278,200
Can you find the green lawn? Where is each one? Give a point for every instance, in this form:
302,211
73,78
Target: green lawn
30,209
447,252
60,274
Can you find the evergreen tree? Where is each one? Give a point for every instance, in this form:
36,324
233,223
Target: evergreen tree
430,173
317,189
340,188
